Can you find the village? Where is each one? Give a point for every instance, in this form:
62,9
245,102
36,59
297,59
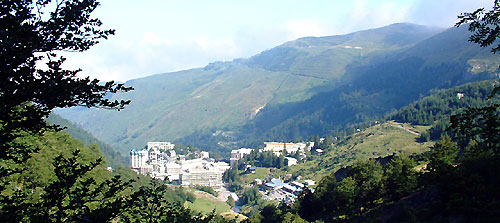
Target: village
160,161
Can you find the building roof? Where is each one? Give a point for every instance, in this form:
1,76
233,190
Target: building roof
275,183
300,185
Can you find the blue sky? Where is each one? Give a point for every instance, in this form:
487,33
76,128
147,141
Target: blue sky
159,36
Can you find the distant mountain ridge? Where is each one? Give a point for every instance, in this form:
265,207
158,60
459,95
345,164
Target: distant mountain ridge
370,90
309,86
326,57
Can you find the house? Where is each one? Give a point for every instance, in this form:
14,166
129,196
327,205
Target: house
279,147
274,184
310,182
290,161
291,189
297,184
251,169
237,154
205,155
258,182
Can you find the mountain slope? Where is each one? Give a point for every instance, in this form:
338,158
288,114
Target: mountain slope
366,92
327,57
377,141
304,87
167,106
113,158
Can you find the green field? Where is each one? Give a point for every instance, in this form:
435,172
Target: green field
205,203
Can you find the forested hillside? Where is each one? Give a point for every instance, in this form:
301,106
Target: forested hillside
436,109
67,172
404,132
113,157
421,181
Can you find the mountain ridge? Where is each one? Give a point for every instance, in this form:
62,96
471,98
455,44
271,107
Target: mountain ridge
226,95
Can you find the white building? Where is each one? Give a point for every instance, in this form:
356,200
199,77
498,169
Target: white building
157,162
161,146
173,171
237,154
291,161
203,173
279,147
138,158
210,178
205,154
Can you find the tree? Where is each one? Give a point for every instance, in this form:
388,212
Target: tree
75,197
280,161
401,177
443,155
369,176
484,25
485,28
32,32
230,201
150,204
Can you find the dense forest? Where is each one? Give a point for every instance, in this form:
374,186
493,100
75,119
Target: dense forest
437,109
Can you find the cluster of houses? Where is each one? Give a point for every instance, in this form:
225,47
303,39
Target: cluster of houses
276,189
278,148
160,161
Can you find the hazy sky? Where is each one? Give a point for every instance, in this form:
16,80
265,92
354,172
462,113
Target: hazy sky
158,36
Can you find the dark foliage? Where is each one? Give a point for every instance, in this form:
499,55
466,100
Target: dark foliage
151,204
31,34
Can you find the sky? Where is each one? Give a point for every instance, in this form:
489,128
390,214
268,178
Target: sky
160,36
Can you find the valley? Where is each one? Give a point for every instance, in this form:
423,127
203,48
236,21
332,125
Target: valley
188,105
373,97
330,116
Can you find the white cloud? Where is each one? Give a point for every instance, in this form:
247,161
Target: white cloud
364,16
154,39
148,48
444,12
301,28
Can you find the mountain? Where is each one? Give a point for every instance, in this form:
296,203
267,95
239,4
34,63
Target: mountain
370,90
314,85
400,132
328,57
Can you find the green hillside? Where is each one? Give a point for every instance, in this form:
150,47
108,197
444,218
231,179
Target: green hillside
311,86
329,57
378,141
369,91
166,107
113,158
